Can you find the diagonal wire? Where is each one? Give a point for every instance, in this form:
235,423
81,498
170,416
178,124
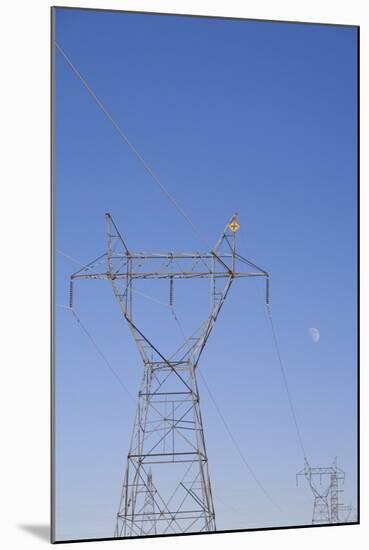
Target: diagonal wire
74,260
97,348
179,324
285,381
236,446
130,145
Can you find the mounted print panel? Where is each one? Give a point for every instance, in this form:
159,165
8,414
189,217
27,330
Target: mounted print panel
205,338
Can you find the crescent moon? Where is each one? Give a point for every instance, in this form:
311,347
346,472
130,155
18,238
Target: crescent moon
315,334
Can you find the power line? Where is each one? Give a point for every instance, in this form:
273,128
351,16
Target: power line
129,143
73,259
237,447
285,381
103,357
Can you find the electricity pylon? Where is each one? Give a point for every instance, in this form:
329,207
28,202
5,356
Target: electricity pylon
327,507
166,487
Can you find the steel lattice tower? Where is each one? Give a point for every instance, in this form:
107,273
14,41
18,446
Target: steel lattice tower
326,498
166,487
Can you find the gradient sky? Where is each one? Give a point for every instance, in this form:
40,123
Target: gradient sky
245,116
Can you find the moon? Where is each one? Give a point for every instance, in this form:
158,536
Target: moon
315,334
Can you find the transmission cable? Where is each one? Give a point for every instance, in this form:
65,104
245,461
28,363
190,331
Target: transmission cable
285,381
124,137
236,446
74,260
97,348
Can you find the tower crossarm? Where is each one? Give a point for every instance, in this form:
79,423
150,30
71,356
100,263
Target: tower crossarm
221,265
120,264
188,263
163,275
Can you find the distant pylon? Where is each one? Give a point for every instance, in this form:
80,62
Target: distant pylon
166,488
326,507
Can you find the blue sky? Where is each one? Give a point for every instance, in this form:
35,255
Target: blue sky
245,116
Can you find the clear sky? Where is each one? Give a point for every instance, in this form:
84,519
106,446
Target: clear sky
253,117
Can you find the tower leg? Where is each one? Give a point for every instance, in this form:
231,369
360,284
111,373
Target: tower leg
166,487
321,510
334,498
